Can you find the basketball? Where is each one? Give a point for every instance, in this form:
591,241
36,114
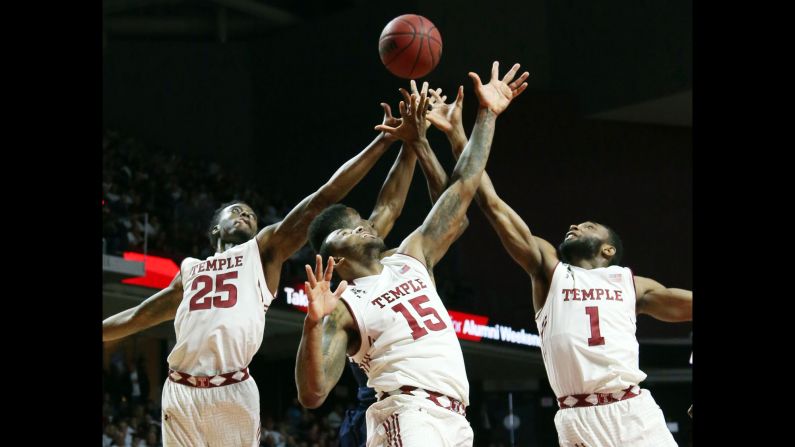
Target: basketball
410,46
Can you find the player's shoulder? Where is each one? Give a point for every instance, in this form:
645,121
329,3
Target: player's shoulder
617,273
189,260
248,245
619,267
403,262
388,253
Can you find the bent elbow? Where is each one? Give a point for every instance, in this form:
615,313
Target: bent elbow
311,400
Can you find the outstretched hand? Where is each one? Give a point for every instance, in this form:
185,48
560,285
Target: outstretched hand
390,121
318,289
498,93
447,117
413,111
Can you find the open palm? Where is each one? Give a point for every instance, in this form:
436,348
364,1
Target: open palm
498,93
318,289
413,110
389,121
446,117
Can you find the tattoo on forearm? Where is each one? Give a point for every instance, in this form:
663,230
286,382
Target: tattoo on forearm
329,329
334,347
446,214
474,159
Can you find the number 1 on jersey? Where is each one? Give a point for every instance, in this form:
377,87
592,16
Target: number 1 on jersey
596,336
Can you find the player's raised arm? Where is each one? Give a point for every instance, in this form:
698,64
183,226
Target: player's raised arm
431,241
325,338
160,307
279,241
448,118
392,196
535,255
415,138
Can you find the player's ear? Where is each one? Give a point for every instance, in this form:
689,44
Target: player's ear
216,229
608,251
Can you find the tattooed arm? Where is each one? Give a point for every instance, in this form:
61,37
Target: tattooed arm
431,241
535,255
321,356
329,332
435,175
437,181
415,139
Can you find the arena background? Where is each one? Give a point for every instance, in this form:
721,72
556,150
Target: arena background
207,101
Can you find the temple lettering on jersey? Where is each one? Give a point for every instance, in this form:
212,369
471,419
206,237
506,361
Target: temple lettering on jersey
591,294
217,264
413,285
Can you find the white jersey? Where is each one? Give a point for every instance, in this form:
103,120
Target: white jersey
221,319
587,330
407,336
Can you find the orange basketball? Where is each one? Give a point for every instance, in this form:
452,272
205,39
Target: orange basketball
410,46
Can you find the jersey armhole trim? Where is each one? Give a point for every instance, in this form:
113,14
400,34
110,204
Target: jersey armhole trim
256,251
359,326
634,286
546,300
635,289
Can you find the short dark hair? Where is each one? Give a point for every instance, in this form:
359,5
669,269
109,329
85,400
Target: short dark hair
217,217
324,252
615,241
330,219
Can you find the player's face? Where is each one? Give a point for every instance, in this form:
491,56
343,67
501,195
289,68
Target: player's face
238,224
355,220
583,241
356,240
586,229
